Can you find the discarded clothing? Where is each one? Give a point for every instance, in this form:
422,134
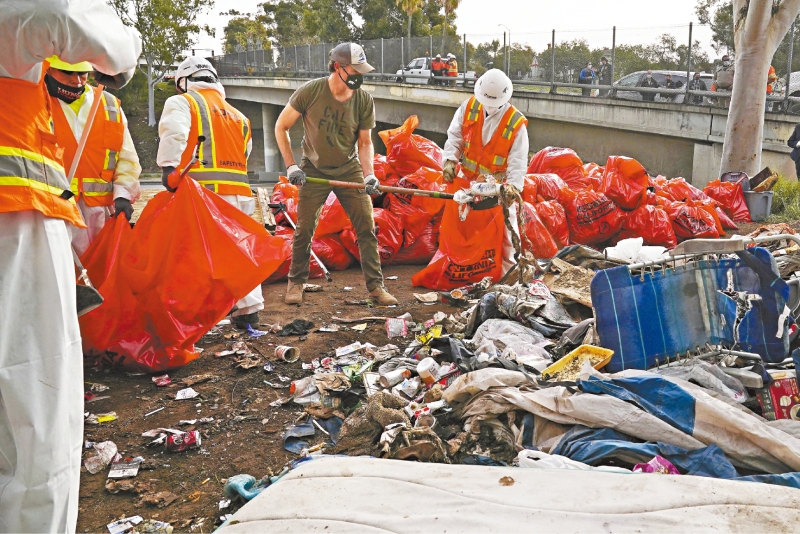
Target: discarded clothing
298,327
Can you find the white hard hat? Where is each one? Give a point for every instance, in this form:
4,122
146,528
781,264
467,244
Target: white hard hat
194,66
493,89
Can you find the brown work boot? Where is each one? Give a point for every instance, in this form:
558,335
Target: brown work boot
382,297
294,293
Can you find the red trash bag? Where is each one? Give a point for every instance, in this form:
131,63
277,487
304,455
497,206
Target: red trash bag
726,221
561,161
593,217
191,256
651,223
730,198
406,152
384,172
388,230
548,186
680,190
331,252
625,182
542,243
332,218
422,250
691,220
416,211
554,218
289,195
468,251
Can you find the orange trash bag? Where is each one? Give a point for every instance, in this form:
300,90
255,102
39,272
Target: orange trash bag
388,230
287,235
548,186
691,220
593,217
406,152
730,198
554,218
542,243
416,211
173,277
561,161
680,190
468,251
422,250
651,223
625,182
332,218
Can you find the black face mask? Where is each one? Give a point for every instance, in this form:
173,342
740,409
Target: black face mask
353,81
67,93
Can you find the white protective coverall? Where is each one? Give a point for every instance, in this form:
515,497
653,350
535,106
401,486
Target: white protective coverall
173,129
517,161
41,363
126,173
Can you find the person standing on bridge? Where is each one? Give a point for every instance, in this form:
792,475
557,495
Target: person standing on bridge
490,138
605,75
198,109
723,79
452,69
338,118
697,84
437,67
648,81
587,76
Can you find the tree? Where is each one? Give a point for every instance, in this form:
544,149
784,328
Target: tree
167,28
410,7
245,32
284,22
759,26
449,7
719,15
328,21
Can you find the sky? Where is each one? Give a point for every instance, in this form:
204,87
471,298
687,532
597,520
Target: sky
531,21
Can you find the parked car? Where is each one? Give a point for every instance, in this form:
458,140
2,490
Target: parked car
794,90
633,79
418,71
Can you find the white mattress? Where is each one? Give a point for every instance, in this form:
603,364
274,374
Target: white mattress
341,494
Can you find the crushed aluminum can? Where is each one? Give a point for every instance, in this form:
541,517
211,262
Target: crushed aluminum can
162,381
184,441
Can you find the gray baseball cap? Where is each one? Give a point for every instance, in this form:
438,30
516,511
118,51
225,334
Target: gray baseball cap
353,55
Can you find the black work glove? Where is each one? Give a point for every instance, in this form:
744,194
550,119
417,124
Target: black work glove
124,206
296,176
165,172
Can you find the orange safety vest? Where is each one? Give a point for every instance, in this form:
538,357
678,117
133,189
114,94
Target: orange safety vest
452,68
772,77
223,155
32,173
492,157
94,177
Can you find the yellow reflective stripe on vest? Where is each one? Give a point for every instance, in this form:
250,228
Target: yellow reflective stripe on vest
513,122
220,175
499,161
473,109
245,133
30,165
114,114
33,184
92,187
469,164
203,127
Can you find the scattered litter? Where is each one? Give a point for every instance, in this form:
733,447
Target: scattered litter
97,387
125,469
126,524
349,349
93,419
268,367
396,328
186,422
162,499
223,353
298,327
287,354
312,288
255,333
427,298
224,503
183,441
162,381
152,526
243,486
346,288
658,465
392,277
154,411
359,327
329,328
224,322
106,451
186,394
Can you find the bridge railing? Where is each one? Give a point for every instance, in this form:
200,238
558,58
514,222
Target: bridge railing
588,63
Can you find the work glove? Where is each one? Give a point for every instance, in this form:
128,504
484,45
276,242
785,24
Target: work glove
296,176
166,174
449,171
123,205
371,184
797,145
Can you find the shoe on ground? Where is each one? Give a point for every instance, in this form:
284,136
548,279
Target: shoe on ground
241,321
382,297
294,293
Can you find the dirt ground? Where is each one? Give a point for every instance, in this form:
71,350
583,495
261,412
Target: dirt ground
246,434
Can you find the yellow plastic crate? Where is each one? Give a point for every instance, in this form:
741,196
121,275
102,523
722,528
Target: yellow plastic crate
568,368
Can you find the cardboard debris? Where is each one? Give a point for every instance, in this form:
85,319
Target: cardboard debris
566,280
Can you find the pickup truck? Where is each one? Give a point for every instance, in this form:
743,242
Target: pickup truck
418,71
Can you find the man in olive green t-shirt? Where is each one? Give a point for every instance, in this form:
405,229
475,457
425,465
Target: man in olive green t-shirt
338,117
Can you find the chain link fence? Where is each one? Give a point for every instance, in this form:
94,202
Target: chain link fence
592,63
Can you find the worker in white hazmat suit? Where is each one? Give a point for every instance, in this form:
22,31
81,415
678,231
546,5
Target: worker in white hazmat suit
201,110
41,365
489,136
106,181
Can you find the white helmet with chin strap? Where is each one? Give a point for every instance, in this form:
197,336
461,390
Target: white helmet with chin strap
195,68
494,88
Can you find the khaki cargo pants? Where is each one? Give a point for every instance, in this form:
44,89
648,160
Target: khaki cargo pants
357,205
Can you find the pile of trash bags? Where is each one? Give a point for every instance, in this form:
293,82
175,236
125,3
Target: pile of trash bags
564,202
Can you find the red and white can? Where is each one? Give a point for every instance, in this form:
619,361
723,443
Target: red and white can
183,442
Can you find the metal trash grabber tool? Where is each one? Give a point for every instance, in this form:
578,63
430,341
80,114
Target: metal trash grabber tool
282,207
381,188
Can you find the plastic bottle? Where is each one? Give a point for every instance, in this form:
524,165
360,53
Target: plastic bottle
427,369
304,386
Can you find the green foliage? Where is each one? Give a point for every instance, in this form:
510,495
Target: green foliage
245,31
786,201
719,15
294,22
167,28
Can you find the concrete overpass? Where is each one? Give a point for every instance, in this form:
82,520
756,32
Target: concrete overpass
669,139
